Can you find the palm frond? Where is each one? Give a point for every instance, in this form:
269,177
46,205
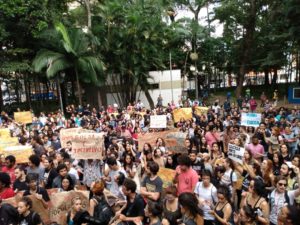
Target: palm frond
43,58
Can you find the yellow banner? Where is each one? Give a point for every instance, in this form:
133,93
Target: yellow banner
7,142
185,113
21,153
4,133
167,176
23,117
201,110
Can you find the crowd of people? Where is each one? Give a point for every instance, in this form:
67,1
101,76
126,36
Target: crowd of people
208,188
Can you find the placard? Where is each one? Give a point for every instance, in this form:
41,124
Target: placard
185,113
66,135
158,121
251,119
152,137
23,117
199,110
4,133
88,146
7,142
21,153
167,176
236,153
175,142
61,203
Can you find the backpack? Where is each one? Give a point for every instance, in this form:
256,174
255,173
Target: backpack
286,197
102,210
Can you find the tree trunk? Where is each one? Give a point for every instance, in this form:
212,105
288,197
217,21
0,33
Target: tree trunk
274,79
247,46
1,97
88,13
150,100
266,72
78,87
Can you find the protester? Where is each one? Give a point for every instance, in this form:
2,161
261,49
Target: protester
5,190
171,209
27,216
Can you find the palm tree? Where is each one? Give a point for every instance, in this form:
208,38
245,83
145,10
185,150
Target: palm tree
70,49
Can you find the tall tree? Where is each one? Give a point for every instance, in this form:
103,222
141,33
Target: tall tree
70,48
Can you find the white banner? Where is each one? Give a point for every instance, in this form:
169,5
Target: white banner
236,153
158,121
251,119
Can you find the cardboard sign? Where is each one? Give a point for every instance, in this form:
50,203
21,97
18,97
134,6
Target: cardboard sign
152,137
236,153
21,153
88,146
199,111
7,142
4,133
185,113
61,203
167,176
175,141
251,119
66,135
23,117
158,121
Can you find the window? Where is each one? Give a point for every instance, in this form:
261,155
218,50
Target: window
296,93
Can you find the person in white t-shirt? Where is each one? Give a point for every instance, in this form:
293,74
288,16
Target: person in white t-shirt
207,196
229,178
280,197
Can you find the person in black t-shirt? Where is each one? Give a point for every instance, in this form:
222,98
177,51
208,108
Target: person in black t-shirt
34,189
20,182
134,210
26,216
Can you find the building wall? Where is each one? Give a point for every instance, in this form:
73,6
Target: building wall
161,81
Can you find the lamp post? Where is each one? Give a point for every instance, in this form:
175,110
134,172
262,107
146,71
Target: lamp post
194,58
62,76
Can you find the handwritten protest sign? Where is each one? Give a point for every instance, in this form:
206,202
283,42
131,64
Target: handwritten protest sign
167,176
185,113
236,153
4,133
7,142
88,146
158,121
61,203
67,135
251,119
21,153
199,111
175,141
152,137
23,117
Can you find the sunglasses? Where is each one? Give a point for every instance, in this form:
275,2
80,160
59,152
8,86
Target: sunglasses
281,184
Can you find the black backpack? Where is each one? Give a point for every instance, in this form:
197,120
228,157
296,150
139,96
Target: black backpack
102,211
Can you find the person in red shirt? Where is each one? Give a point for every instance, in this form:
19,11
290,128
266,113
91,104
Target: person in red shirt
5,190
10,167
186,178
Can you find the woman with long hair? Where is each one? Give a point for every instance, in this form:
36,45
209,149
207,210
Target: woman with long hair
191,213
277,162
154,211
66,184
129,166
223,210
267,173
246,216
255,199
171,210
76,208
